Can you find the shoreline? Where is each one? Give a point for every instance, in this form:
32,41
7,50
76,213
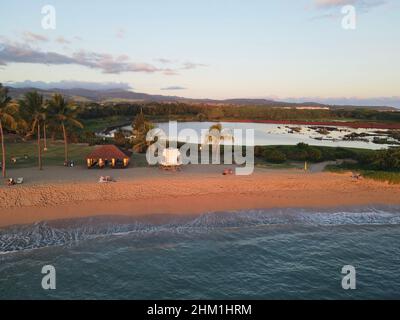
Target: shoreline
188,194
357,124
338,123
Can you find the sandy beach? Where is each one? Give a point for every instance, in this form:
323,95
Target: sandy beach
57,193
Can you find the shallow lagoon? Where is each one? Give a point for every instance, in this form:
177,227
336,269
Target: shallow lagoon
279,134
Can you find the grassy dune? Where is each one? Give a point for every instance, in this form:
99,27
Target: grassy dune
392,177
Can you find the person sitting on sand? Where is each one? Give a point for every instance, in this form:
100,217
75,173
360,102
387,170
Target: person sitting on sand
227,172
10,182
356,176
105,179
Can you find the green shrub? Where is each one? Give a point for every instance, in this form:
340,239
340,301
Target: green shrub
314,155
274,156
298,155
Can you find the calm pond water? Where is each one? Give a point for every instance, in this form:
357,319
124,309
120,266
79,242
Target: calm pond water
278,134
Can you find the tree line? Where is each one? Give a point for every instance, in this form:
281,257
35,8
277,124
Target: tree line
33,116
207,112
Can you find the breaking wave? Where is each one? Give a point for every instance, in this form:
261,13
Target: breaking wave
45,234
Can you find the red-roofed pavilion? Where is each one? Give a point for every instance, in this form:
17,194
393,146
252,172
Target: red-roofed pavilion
107,155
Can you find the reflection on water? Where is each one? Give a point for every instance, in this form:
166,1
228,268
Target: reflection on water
280,134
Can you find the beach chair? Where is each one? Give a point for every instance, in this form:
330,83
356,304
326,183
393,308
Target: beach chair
10,182
19,180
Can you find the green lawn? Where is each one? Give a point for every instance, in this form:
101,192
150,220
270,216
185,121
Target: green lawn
96,125
26,155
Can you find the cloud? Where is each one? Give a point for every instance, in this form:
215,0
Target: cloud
332,3
18,52
330,7
324,16
185,66
15,53
192,65
170,72
110,64
62,40
70,84
173,88
120,34
363,4
107,63
31,37
164,61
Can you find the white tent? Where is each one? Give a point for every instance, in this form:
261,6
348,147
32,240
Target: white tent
171,157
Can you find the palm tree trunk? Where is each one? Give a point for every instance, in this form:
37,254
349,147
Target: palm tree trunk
65,143
44,137
3,151
39,147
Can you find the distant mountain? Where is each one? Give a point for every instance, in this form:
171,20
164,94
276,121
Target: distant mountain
80,94
121,95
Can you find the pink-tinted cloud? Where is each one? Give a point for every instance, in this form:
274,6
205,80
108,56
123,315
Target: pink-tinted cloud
62,40
192,65
107,63
31,37
71,84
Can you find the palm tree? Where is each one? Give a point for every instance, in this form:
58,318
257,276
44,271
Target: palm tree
63,113
6,117
140,142
45,132
216,136
33,110
140,129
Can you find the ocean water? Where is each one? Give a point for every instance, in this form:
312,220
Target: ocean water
255,254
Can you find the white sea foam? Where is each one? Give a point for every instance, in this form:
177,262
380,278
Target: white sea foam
45,234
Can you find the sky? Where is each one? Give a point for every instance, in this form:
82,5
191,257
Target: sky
279,49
